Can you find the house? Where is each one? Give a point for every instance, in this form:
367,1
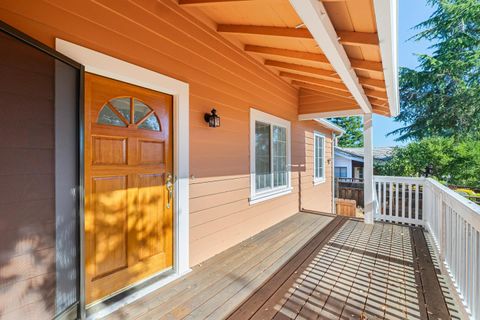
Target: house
165,158
349,161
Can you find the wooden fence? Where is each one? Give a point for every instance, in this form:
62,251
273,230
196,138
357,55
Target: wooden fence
351,189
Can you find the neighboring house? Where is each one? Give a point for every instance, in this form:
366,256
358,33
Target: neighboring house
116,174
349,162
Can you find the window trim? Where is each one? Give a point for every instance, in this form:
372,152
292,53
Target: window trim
255,197
322,136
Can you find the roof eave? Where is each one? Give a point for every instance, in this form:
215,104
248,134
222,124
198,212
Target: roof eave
330,125
386,13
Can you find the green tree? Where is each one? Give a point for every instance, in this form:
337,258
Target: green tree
442,96
454,162
353,136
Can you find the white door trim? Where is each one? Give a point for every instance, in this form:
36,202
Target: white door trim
107,66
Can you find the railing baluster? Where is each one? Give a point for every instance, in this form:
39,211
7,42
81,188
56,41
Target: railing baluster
396,200
410,201
417,199
390,199
476,295
377,185
384,200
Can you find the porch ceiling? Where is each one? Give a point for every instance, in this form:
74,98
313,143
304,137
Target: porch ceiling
272,32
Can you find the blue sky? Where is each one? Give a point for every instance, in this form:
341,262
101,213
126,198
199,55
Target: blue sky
411,13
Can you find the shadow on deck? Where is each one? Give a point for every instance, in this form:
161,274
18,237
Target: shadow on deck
309,267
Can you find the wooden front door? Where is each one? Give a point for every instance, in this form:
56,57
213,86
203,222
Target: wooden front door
128,184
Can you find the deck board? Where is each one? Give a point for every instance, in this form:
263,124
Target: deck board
205,288
307,267
434,306
363,272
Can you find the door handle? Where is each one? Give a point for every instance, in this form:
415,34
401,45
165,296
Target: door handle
169,186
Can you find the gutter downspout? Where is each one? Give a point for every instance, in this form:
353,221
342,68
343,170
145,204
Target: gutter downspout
334,144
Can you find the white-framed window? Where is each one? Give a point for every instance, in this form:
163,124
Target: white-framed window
341,172
269,156
318,157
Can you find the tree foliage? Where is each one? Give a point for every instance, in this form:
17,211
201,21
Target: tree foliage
442,96
452,161
353,136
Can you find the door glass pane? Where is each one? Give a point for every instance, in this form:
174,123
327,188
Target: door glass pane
279,156
107,116
141,110
263,178
123,106
151,123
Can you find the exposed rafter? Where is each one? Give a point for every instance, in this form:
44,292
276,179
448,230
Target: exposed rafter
323,94
302,68
345,37
372,83
381,95
318,88
266,31
358,38
206,2
315,57
324,73
317,81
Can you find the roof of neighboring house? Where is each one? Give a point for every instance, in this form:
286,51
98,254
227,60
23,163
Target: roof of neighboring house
379,153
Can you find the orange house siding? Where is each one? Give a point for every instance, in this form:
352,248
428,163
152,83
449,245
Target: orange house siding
161,36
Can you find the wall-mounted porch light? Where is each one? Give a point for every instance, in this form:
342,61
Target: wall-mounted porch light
212,119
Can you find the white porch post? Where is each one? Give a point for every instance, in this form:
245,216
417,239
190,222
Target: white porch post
368,168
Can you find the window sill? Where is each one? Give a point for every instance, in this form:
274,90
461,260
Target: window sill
268,196
318,181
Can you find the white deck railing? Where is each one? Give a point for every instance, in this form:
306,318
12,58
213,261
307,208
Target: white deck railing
452,220
399,199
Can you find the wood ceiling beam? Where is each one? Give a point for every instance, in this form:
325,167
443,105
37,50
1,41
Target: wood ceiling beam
205,2
345,37
381,95
378,102
358,38
368,82
367,65
317,81
266,31
377,98
315,57
307,69
329,91
372,83
324,94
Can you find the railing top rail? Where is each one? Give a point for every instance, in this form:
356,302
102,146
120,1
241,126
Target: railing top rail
468,209
399,179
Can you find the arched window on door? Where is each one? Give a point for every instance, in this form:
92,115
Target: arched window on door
124,111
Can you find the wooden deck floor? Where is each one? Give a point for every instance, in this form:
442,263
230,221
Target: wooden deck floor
307,267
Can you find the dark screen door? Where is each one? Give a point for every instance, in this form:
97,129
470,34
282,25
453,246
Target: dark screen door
39,247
